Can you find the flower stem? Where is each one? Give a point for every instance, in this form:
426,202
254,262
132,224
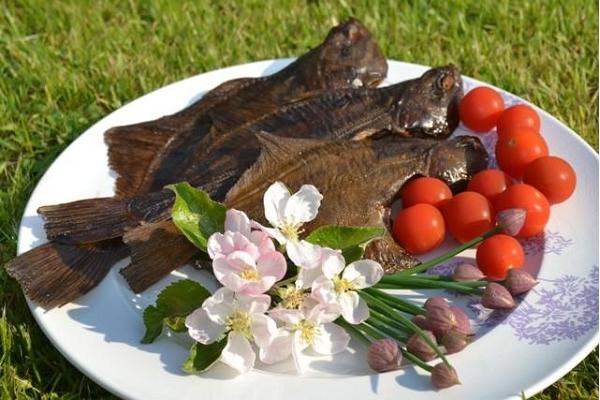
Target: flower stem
390,321
416,360
401,303
411,282
405,321
389,330
353,330
374,333
457,250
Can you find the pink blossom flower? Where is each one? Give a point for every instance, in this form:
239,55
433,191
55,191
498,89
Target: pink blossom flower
241,318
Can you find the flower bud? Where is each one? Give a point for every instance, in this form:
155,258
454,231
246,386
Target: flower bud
519,281
463,325
454,341
497,297
420,348
440,320
436,301
444,376
384,355
466,273
421,322
511,220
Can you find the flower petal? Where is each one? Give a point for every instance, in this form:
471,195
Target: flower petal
303,205
262,241
201,328
279,349
256,288
323,313
264,330
219,306
275,199
291,317
254,304
238,353
304,254
272,232
240,260
306,277
219,244
323,290
272,264
330,339
237,221
354,309
363,273
297,346
333,264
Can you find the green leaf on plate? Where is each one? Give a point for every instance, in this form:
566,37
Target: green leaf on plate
349,239
195,214
202,357
173,304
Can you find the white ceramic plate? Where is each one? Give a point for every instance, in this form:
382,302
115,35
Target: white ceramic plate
551,331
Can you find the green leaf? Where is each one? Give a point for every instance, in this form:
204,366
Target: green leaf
173,304
202,357
153,320
195,214
353,253
343,237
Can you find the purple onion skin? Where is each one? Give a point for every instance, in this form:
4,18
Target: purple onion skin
463,325
444,376
497,297
436,301
421,322
384,355
440,320
454,341
419,347
519,281
467,273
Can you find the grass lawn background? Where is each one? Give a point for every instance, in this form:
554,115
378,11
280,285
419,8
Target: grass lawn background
65,65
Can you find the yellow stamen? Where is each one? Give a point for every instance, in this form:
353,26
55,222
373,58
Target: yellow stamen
291,298
342,285
250,274
239,321
307,329
290,231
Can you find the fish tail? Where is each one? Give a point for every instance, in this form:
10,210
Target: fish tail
94,220
54,274
156,250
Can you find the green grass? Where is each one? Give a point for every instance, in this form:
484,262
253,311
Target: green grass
64,65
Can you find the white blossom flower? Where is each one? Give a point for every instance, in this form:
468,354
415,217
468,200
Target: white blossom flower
287,213
333,288
309,259
310,326
241,318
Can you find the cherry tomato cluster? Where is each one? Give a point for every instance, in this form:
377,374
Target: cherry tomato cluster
528,178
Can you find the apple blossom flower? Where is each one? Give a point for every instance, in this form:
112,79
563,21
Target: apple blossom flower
333,288
241,318
245,261
309,259
287,212
310,326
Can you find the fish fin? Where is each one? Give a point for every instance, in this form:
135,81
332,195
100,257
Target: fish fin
156,250
274,149
392,257
54,274
132,150
93,220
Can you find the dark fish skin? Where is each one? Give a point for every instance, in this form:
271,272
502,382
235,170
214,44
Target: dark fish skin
419,107
355,193
149,155
349,57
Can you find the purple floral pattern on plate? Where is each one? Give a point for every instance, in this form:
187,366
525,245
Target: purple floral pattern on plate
562,309
548,243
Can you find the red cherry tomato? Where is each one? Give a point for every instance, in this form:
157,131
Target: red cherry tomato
490,183
426,190
468,215
529,198
480,109
519,116
497,254
517,148
419,228
552,176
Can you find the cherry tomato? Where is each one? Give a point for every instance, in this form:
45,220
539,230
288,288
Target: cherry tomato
419,228
490,183
426,190
480,109
468,215
529,198
497,254
519,116
552,176
517,148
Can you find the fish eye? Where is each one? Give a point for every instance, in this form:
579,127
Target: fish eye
445,82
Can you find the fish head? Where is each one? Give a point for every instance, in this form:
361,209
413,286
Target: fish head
349,57
428,106
456,160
